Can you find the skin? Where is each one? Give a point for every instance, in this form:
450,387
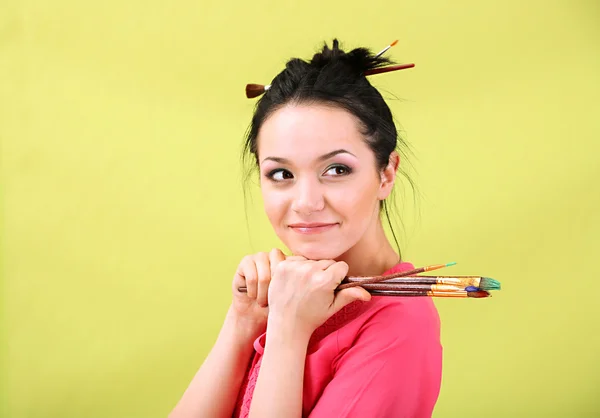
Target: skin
321,190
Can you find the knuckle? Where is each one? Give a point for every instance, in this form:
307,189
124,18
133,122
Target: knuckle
308,270
248,260
342,265
318,266
281,268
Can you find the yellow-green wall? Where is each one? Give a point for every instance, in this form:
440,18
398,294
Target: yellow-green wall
123,217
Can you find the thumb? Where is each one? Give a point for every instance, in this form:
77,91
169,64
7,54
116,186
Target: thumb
346,296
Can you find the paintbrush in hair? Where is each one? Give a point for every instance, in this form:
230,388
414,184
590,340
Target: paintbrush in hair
380,53
254,90
388,69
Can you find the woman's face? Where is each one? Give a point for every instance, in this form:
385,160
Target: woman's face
319,181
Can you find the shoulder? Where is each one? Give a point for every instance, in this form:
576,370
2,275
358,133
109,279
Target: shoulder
397,323
396,343
405,312
410,317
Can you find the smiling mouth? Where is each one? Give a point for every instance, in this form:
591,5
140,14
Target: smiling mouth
312,228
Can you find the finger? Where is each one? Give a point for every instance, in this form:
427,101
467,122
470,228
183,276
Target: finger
337,271
263,270
346,296
250,275
275,257
292,263
324,264
283,268
296,258
238,279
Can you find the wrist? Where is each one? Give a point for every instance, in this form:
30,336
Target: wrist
287,330
244,328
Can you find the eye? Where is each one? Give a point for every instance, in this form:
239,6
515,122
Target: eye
280,175
338,170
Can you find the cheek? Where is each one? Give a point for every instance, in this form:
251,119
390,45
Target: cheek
275,204
355,200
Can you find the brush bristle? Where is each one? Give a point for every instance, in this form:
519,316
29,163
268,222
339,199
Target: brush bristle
479,294
254,90
488,283
394,43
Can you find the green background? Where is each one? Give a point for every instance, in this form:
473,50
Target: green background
123,215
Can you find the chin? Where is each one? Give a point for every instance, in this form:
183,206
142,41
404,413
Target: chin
318,251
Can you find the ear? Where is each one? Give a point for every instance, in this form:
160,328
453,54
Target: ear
388,176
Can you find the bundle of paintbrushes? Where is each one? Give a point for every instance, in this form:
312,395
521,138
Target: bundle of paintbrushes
407,283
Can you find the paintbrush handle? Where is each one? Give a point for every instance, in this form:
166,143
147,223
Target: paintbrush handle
360,281
391,290
412,287
388,68
455,294
410,282
463,281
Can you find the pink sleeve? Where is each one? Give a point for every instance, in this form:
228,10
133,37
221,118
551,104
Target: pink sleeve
393,369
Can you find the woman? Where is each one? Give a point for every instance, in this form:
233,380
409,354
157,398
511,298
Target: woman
324,143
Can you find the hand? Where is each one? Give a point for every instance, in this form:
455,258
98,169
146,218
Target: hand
302,292
254,272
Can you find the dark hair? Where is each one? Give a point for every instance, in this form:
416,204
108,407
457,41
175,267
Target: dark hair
333,77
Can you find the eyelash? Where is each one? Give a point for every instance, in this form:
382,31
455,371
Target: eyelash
347,170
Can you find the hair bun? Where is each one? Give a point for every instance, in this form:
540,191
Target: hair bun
358,60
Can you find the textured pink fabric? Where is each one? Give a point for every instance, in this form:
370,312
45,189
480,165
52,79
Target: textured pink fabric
381,358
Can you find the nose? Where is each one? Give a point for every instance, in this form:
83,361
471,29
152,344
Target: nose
308,197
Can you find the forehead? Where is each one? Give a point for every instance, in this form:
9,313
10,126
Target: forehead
314,128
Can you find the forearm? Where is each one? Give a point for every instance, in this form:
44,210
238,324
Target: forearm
214,389
278,390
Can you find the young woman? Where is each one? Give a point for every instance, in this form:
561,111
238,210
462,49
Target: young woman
324,143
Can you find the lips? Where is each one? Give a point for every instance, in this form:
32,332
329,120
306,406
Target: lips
312,228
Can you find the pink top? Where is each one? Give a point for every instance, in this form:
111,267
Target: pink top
381,358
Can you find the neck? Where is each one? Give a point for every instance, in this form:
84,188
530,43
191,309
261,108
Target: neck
372,255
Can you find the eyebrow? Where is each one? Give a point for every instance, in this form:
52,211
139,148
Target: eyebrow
321,158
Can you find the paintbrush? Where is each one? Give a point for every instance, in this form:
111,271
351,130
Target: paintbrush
484,283
359,281
454,294
254,90
380,53
418,287
388,69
